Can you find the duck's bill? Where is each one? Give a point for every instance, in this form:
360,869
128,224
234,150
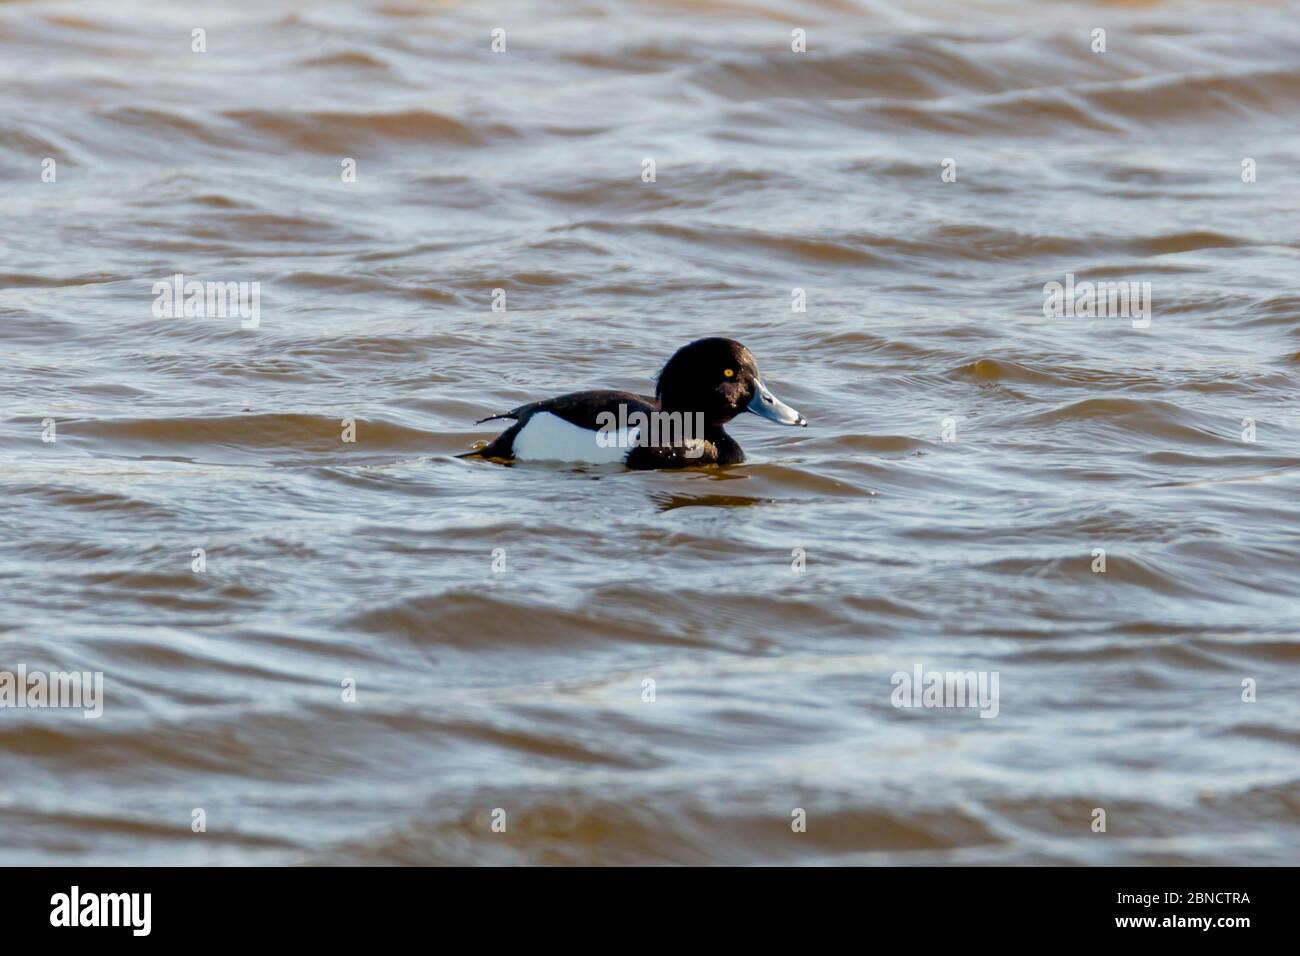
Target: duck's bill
770,407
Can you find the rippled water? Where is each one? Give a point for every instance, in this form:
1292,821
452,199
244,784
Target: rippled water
522,688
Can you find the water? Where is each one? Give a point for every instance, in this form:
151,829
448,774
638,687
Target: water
522,689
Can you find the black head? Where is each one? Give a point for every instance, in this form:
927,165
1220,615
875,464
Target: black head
719,377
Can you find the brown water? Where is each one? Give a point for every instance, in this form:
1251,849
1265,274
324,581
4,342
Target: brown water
522,688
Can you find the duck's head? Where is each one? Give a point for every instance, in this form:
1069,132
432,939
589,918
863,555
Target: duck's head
719,377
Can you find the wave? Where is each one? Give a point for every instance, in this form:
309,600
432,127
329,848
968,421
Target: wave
1151,418
341,133
272,434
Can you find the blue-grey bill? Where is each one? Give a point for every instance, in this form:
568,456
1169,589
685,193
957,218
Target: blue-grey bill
769,406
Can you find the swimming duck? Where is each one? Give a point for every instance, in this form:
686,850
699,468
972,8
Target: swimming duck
702,387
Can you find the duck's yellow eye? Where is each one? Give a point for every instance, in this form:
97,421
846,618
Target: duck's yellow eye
729,372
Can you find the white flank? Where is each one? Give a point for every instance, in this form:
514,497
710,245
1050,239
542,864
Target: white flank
548,437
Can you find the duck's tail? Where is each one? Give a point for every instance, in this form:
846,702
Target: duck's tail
513,415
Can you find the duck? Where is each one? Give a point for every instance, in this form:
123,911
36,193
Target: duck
702,387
